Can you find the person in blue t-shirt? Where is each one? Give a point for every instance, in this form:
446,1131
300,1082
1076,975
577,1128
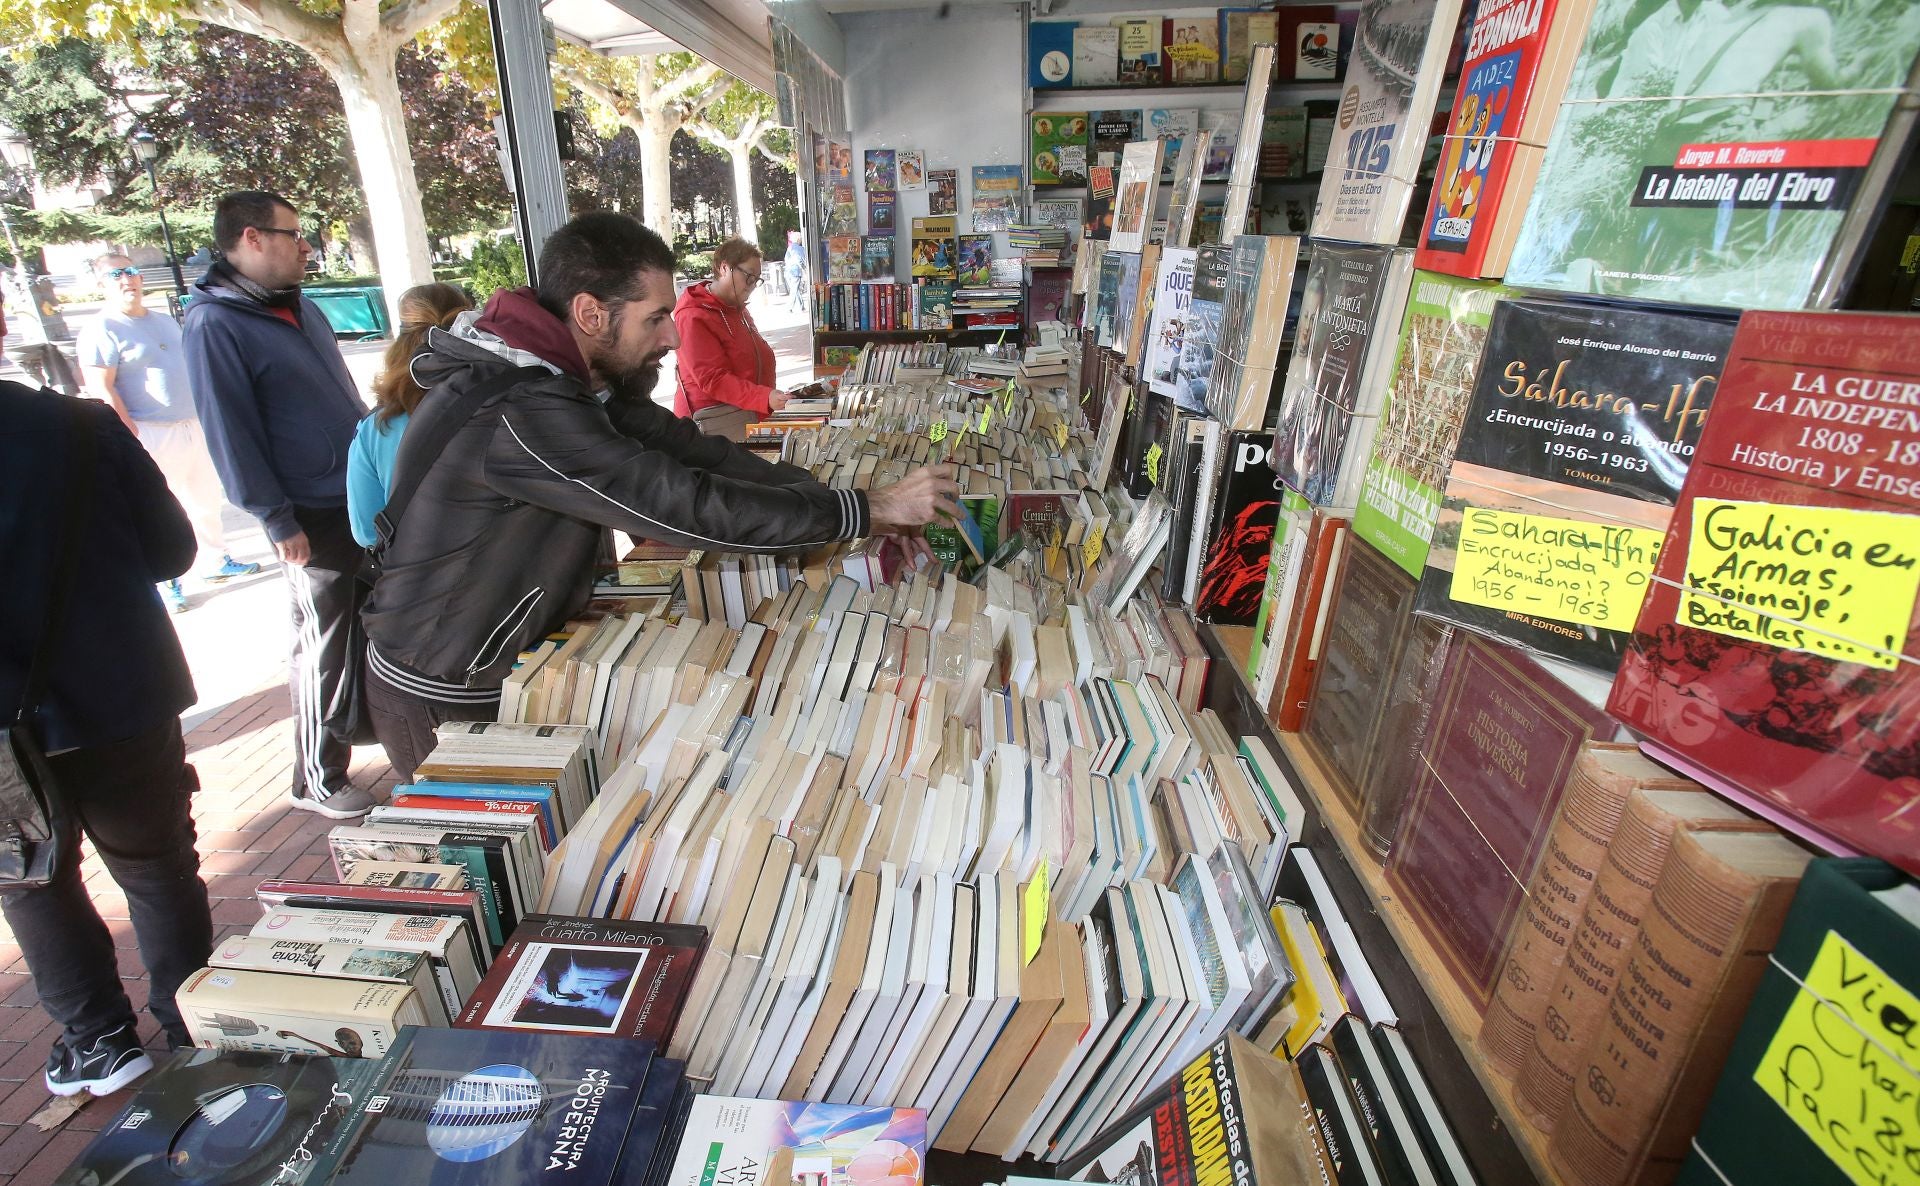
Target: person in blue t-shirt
376,442
132,359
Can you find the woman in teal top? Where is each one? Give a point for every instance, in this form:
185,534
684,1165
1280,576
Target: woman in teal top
376,442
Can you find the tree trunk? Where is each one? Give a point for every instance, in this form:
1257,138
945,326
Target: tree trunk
360,242
656,175
376,119
748,227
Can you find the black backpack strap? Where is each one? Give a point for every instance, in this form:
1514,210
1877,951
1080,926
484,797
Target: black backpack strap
76,511
427,438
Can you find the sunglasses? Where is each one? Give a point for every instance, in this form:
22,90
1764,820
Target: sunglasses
116,273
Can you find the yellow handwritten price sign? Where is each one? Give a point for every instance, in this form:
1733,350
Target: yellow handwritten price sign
1006,405
1191,51
938,432
1033,910
1842,1064
1090,547
1154,453
1569,571
1060,434
986,418
1086,395
1825,580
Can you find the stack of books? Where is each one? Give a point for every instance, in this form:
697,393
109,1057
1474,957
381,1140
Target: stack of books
1039,246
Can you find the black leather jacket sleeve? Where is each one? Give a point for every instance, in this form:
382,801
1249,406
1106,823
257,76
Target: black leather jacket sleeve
657,428
560,455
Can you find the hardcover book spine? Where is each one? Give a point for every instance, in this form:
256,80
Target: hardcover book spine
1556,901
1699,956
1576,1005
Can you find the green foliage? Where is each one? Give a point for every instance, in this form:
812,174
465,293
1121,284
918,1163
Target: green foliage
775,221
693,265
192,229
495,264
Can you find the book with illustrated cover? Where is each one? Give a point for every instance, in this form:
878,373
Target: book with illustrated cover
1198,345
227,1008
1050,54
1314,42
342,961
1112,130
943,191
1518,57
912,166
936,303
462,1106
1400,52
1441,341
843,259
934,251
759,1140
1173,295
1770,668
1283,144
1240,30
1178,1131
876,257
976,259
1502,741
589,976
1349,312
1171,126
227,1119
1580,429
880,175
1059,147
1139,51
1191,47
880,211
1096,55
1246,507
996,197
1715,155
843,217
1135,188
839,162
1220,132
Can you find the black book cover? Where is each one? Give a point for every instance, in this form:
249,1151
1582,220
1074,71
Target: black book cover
1402,1159
1577,437
1180,477
1246,508
1423,1109
1341,1127
1334,332
459,1107
675,1128
226,1119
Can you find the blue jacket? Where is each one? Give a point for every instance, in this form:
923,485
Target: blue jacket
370,473
277,402
118,670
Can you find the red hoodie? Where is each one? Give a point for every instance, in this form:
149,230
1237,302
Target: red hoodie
722,357
516,318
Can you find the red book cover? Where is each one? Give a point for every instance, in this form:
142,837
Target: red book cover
1310,609
1518,54
598,976
1778,646
1502,740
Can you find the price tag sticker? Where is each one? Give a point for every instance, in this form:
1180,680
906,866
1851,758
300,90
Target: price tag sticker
1090,547
1033,908
1153,463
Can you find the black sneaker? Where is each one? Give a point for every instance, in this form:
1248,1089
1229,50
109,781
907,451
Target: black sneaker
111,1062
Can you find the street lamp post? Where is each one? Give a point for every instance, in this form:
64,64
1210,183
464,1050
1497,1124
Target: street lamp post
148,151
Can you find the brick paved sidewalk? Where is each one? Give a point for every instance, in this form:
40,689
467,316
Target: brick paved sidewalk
244,754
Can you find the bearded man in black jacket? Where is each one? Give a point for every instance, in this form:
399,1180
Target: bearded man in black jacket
498,545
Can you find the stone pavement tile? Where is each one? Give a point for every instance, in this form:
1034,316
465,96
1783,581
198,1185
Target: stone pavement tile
24,1143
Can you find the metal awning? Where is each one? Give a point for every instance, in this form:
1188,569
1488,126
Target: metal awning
732,34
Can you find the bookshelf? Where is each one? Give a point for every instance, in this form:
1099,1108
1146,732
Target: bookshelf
1438,1022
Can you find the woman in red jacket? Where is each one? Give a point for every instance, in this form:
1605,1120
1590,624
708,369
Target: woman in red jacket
726,368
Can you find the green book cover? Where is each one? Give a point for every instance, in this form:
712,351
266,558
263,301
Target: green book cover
1714,153
1821,1084
1441,339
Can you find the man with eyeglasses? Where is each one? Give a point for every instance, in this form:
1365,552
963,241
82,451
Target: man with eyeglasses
726,368
133,359
279,408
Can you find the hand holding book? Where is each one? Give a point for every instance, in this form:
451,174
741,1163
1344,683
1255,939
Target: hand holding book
914,500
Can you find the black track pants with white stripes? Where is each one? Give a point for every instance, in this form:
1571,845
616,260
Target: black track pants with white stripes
326,602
